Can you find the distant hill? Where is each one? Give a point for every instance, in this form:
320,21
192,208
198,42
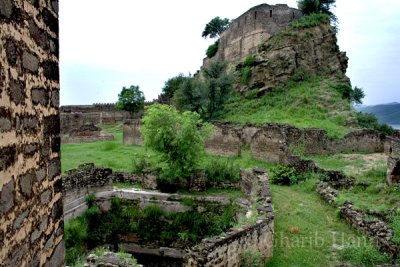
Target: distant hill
386,113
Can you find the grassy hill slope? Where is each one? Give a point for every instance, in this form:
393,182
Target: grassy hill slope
315,103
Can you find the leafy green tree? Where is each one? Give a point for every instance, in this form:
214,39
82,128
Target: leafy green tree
308,6
173,84
206,96
131,99
179,137
215,27
357,95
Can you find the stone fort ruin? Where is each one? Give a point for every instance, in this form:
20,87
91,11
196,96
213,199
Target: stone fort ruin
258,24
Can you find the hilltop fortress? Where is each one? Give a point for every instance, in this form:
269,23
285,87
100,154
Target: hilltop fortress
258,24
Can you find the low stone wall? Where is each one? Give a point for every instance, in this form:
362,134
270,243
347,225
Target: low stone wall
376,229
258,237
86,139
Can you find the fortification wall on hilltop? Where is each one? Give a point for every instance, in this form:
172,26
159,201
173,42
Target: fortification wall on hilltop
253,27
31,210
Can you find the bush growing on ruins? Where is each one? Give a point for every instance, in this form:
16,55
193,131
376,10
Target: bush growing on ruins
222,170
370,121
212,49
285,175
130,99
179,137
312,7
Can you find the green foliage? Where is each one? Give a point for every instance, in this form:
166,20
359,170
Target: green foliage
395,223
365,254
308,6
262,47
130,99
108,146
75,234
139,164
179,137
215,27
173,84
311,20
90,199
285,175
306,104
212,49
353,95
222,170
369,121
245,74
206,96
357,95
249,60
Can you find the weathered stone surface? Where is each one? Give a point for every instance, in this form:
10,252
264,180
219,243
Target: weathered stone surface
7,197
7,156
30,62
5,120
26,146
57,259
225,140
131,133
54,168
40,96
6,8
17,92
45,197
19,220
393,171
26,183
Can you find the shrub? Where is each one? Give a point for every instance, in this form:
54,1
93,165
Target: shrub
90,199
179,137
249,61
311,20
222,170
75,234
139,164
285,175
212,49
369,121
253,259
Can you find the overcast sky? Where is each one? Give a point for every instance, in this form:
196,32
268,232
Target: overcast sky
105,45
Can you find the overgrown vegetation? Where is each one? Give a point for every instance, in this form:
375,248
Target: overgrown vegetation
285,175
178,137
311,20
222,170
206,96
308,103
212,49
130,99
148,225
318,7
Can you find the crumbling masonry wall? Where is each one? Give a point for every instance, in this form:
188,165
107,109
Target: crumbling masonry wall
31,210
393,171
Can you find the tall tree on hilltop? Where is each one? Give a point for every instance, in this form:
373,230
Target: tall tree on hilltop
215,27
130,99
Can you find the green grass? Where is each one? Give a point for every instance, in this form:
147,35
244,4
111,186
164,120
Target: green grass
112,154
309,104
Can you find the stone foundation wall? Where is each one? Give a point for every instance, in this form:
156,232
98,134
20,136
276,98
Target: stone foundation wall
31,211
225,141
258,237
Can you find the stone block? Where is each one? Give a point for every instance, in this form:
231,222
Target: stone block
50,70
11,50
40,96
7,156
7,197
54,168
30,62
17,92
20,219
26,183
6,8
5,120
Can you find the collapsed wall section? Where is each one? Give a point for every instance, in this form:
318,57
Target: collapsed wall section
31,210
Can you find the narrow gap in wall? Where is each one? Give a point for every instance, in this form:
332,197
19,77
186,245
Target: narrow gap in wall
270,13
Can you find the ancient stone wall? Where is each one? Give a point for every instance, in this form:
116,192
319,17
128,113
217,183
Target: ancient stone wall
73,117
225,140
393,172
250,29
131,133
31,210
252,238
